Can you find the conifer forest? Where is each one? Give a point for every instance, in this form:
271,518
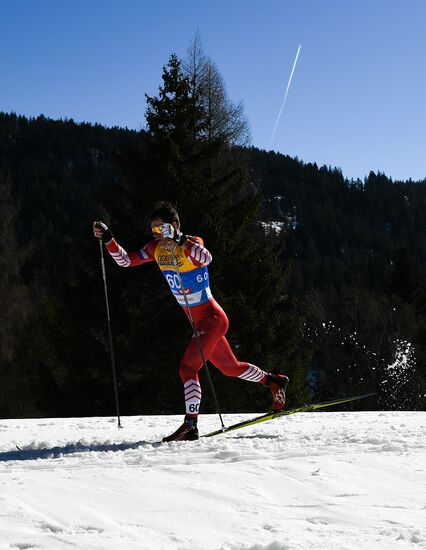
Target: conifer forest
323,278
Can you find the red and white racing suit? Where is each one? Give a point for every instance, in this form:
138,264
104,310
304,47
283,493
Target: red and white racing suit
210,320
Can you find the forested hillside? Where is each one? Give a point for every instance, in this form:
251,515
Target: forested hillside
335,298
357,257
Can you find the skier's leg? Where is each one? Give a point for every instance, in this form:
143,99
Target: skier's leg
212,324
224,359
210,331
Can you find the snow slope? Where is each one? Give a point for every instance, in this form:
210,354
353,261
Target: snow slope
310,481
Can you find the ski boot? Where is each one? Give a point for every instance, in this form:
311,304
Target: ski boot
187,432
277,383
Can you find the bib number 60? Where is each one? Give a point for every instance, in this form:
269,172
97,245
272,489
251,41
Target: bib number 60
173,280
204,277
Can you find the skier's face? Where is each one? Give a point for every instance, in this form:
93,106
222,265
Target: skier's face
157,223
158,236
156,226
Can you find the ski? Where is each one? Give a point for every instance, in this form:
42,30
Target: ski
272,415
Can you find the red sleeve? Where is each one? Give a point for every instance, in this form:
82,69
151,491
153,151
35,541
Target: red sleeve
197,252
124,259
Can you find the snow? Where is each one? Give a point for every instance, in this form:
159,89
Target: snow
310,481
275,227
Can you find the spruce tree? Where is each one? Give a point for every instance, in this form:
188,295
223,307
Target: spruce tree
209,183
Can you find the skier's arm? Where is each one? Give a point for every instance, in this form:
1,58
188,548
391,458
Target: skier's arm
129,259
124,259
196,251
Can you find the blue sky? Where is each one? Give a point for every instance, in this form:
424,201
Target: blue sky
357,99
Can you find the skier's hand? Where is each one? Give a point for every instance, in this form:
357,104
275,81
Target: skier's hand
170,232
102,231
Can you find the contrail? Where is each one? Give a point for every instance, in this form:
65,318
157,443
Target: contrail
285,95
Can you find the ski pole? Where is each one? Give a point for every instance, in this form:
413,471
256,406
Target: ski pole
197,338
111,346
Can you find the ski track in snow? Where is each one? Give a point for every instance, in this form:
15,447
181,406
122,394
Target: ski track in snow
310,481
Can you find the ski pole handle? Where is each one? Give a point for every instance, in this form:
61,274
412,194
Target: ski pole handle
101,230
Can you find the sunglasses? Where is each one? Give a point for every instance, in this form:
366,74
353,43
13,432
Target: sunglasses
156,229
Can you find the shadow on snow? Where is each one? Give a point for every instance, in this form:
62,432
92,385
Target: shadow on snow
59,452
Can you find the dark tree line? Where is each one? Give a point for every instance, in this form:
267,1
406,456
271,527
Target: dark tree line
356,252
336,298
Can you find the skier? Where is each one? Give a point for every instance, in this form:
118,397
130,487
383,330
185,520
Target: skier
171,249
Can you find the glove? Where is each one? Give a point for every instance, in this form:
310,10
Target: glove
102,231
169,232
